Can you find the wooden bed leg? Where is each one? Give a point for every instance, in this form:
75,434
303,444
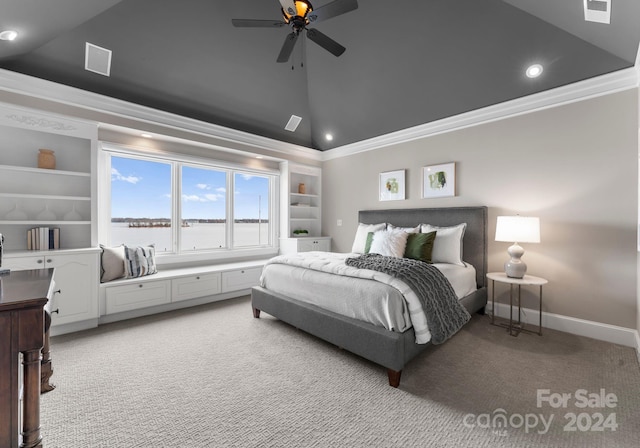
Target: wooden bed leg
394,377
256,313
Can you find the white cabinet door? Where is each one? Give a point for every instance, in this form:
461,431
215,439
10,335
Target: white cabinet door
76,277
292,245
305,245
323,244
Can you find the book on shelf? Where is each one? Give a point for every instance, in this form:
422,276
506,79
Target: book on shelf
43,238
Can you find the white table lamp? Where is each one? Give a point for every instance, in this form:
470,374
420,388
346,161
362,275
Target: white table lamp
517,229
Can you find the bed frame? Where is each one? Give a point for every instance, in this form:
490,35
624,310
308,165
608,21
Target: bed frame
389,349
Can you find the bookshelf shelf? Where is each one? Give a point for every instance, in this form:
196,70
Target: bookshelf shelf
32,197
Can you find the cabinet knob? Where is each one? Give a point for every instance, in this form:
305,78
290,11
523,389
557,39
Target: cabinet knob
57,292
242,272
57,311
40,261
139,286
49,260
198,278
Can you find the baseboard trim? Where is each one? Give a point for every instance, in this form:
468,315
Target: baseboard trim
57,330
132,314
581,327
638,333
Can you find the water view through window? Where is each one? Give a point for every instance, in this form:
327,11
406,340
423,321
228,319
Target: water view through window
141,203
141,206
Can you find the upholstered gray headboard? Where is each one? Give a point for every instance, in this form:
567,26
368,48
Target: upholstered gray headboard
474,244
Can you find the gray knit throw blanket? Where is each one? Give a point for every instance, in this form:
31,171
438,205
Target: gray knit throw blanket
445,315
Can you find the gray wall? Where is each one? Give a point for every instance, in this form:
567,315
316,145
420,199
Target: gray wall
575,166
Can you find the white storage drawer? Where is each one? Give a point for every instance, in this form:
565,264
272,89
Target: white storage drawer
24,263
240,279
199,285
137,295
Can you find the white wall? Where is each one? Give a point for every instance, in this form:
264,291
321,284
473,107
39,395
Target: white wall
575,166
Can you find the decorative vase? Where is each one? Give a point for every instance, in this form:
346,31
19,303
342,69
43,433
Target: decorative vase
46,159
302,189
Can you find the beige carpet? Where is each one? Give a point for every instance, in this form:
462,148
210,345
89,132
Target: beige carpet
213,376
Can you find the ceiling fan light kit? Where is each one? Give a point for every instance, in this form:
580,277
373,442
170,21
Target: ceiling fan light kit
302,9
298,14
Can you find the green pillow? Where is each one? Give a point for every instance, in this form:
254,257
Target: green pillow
419,246
367,245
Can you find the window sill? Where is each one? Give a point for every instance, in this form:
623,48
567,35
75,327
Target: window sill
215,256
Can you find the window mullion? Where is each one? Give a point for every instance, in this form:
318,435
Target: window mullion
176,215
230,216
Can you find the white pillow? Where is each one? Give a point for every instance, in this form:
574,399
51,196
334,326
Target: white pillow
111,263
415,229
389,242
140,261
447,247
360,241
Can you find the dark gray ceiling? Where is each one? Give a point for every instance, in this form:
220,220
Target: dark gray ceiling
407,62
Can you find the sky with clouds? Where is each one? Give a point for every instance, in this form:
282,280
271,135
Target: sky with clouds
142,189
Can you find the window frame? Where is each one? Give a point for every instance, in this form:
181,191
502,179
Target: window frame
176,160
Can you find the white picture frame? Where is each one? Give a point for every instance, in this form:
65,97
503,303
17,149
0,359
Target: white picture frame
392,186
439,181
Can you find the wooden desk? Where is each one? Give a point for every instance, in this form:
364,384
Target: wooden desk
23,295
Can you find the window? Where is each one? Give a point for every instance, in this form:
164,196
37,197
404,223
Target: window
251,223
190,206
204,209
141,203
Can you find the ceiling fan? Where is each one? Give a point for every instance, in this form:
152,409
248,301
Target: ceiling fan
299,14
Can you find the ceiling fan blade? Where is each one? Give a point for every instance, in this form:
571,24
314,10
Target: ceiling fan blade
325,42
332,9
289,6
287,47
257,23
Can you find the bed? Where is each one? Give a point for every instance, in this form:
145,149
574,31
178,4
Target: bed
390,349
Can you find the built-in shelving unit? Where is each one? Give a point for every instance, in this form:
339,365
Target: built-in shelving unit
301,208
36,197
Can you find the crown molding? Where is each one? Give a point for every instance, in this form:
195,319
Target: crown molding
72,96
602,85
38,88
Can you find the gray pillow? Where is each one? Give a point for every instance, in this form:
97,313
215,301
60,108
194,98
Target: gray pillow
111,263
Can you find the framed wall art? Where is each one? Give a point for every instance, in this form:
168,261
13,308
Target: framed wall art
392,185
439,181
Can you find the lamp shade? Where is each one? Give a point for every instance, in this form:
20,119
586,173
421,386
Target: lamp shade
518,229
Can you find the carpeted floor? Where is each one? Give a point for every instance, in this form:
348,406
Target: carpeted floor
213,376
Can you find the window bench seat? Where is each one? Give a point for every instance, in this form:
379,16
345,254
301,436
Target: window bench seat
173,288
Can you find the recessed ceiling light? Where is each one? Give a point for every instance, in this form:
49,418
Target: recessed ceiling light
146,135
329,137
533,71
8,35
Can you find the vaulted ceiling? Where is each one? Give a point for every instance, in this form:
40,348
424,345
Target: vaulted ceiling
407,62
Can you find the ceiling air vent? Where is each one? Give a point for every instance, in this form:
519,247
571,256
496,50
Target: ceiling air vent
293,123
97,59
597,11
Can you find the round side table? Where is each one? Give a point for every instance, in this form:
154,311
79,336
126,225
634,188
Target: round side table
516,284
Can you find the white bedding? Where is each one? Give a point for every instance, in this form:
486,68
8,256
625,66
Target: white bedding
365,295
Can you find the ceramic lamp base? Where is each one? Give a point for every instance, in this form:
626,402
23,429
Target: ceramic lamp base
515,270
515,267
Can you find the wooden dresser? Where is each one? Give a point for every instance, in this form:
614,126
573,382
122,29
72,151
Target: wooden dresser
23,296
